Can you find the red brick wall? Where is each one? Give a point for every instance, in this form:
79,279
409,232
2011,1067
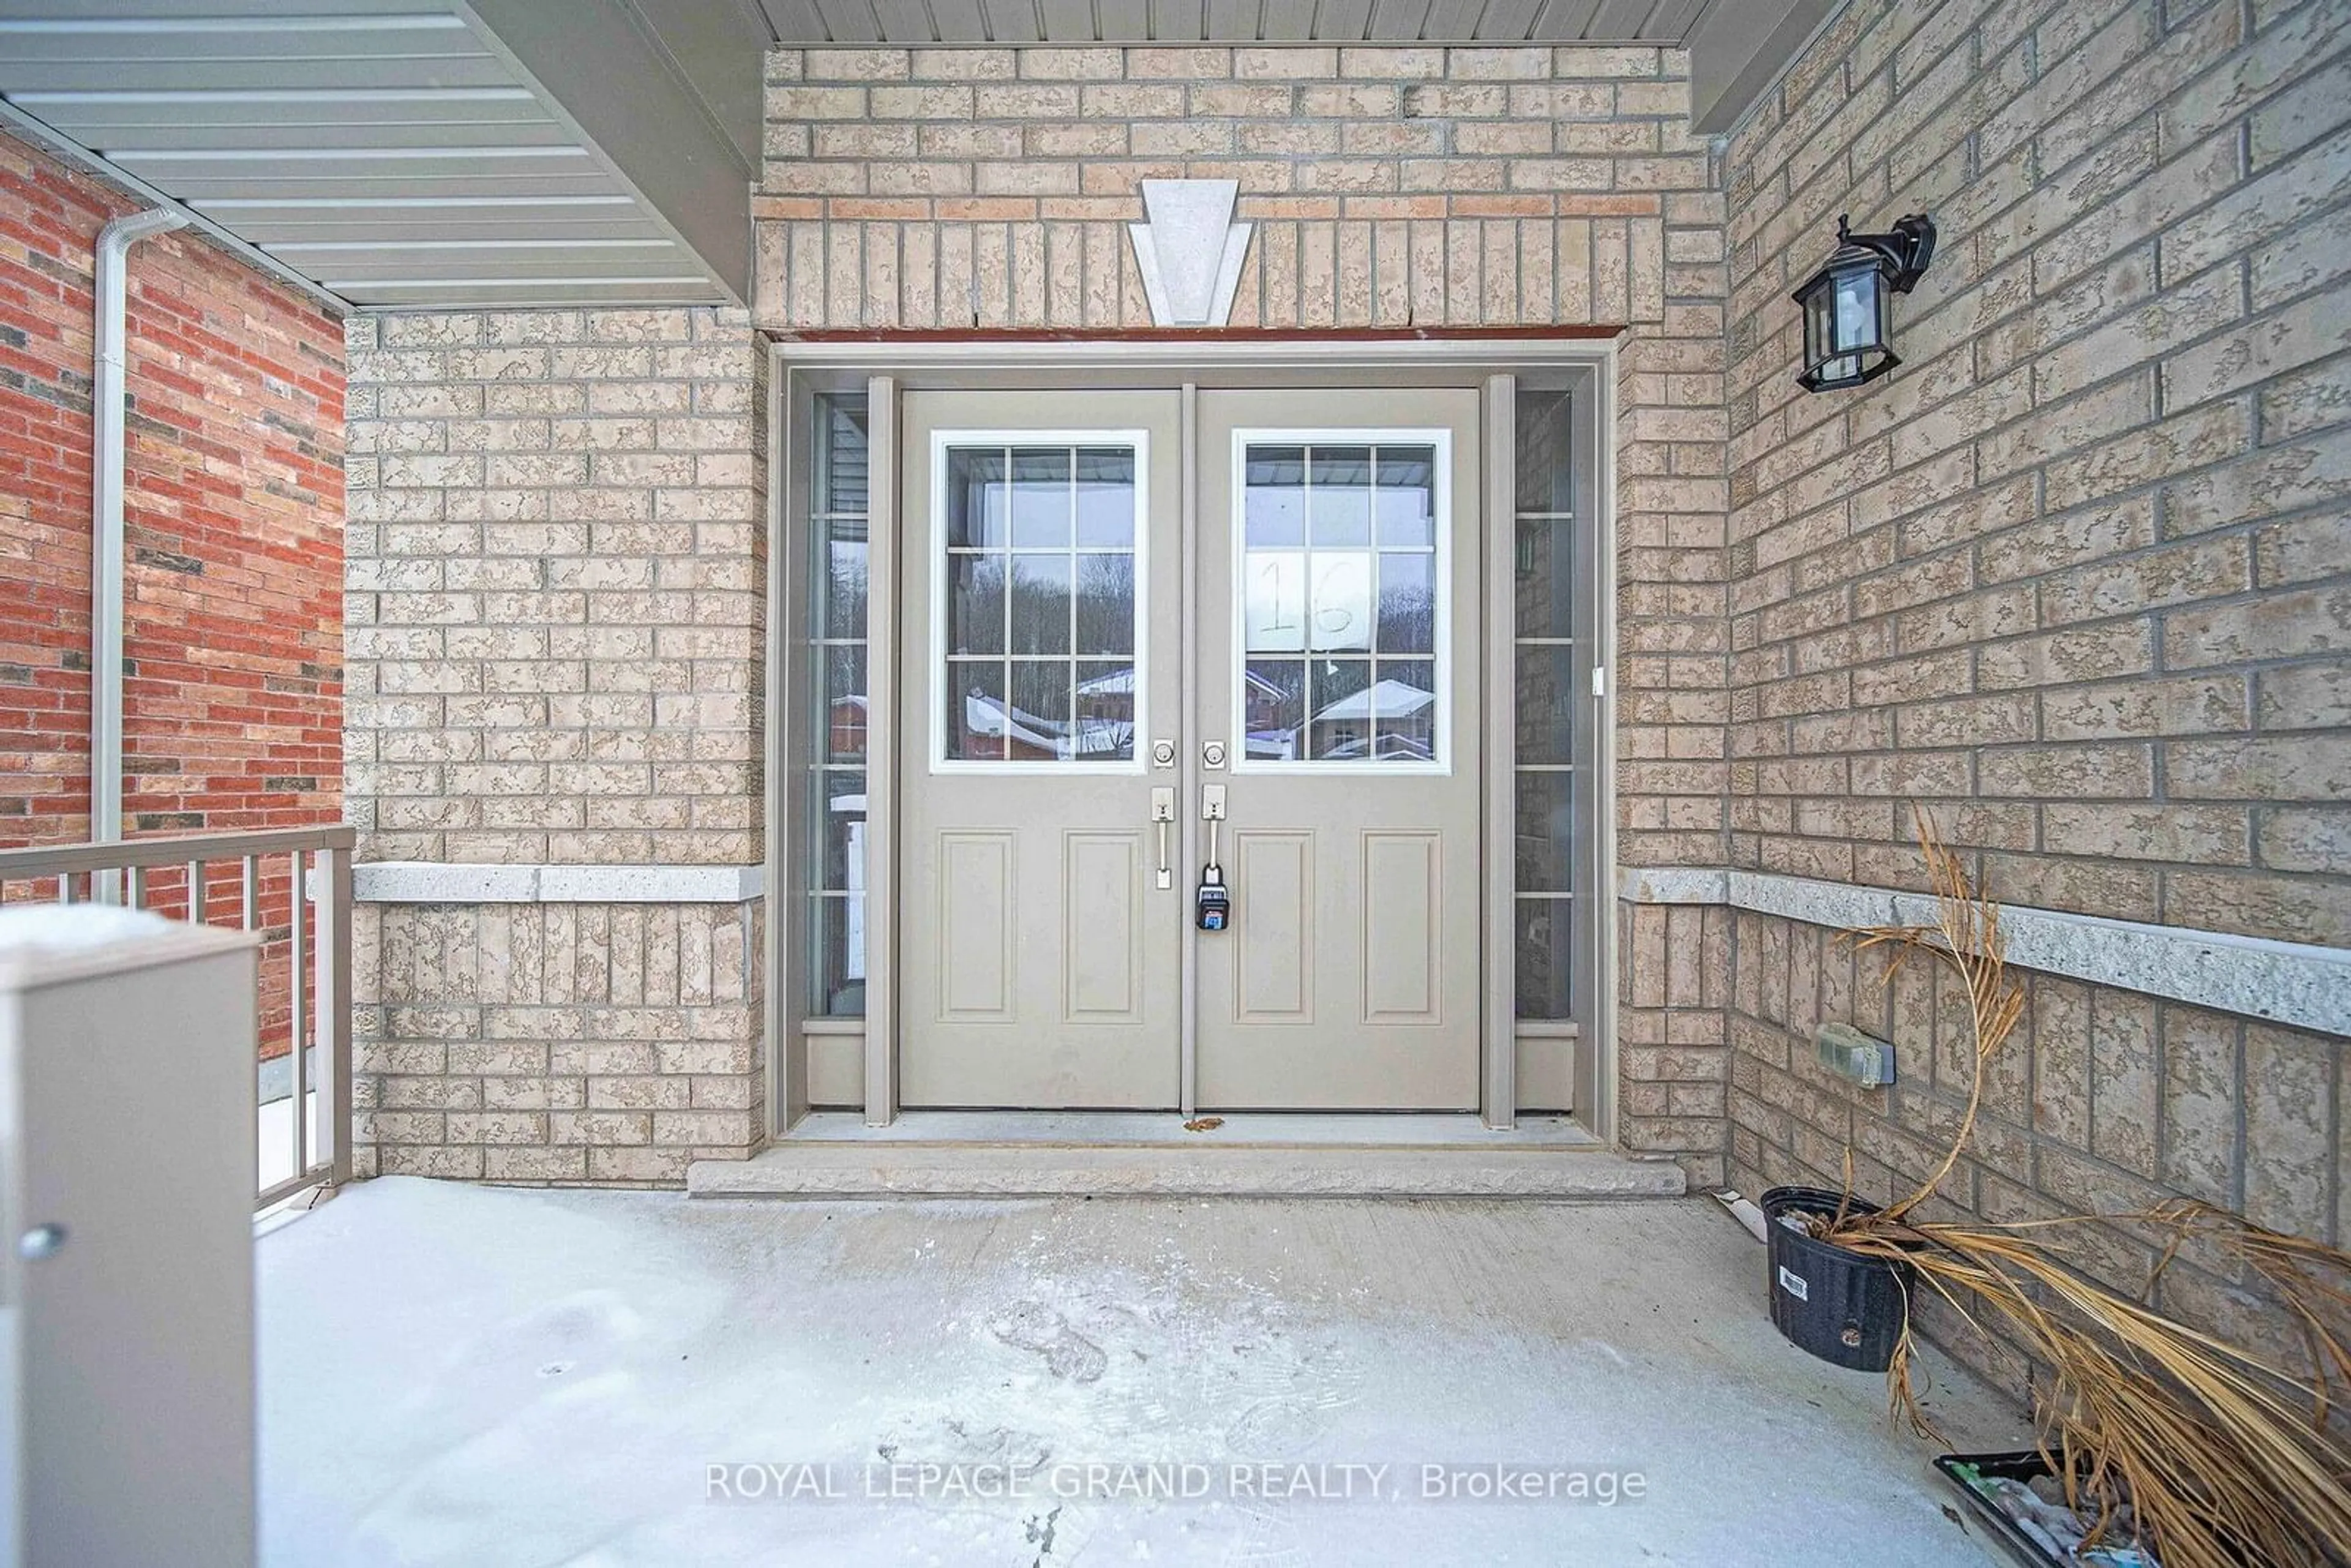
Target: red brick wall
232,695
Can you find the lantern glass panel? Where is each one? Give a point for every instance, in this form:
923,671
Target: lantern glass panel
1857,296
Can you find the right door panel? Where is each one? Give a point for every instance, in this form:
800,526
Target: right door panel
1339,638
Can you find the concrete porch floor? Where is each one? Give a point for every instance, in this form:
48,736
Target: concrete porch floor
458,1374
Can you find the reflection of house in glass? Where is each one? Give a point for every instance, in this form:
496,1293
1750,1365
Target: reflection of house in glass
1101,728
1388,721
848,726
1271,711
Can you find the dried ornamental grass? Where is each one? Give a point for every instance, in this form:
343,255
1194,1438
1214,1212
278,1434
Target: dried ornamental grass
2222,1458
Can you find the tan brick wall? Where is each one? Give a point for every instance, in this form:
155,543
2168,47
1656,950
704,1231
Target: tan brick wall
556,565
557,574
1671,684
2075,573
557,1042
978,190
2075,576
2102,1100
1672,1040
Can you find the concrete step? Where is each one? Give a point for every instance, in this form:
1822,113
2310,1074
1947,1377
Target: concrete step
1411,1129
885,1168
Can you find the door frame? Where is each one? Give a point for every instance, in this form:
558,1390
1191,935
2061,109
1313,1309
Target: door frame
885,366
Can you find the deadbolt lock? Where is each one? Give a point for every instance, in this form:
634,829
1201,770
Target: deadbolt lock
1163,753
1212,754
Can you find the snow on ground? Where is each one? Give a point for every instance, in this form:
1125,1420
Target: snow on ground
465,1375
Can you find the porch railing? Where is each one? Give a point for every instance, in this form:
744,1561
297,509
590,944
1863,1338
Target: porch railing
293,888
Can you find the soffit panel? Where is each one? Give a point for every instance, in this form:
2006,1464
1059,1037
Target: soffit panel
387,151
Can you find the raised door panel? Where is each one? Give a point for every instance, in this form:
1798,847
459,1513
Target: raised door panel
1273,963
1401,922
976,924
1101,936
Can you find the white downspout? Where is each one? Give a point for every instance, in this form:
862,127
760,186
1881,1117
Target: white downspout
114,242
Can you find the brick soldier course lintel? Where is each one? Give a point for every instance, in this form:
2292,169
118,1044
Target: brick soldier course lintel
1574,332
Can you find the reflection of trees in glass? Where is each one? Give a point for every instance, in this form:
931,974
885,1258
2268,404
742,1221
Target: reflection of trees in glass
1105,604
844,601
1407,605
976,607
1047,605
1041,604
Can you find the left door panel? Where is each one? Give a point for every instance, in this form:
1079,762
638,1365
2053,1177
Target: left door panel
1039,957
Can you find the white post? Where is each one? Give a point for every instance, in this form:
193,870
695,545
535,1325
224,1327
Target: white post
112,332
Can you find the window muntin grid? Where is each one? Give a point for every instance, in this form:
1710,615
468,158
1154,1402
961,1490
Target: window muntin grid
1040,602
1339,603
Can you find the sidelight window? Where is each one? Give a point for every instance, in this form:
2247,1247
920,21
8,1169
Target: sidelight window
1549,687
837,638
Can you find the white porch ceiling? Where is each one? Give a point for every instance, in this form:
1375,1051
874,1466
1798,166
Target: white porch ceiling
392,153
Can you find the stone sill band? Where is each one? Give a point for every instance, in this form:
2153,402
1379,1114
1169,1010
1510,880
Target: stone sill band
430,882
2287,982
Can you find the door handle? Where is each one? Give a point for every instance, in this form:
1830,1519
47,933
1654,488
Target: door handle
1212,811
1163,813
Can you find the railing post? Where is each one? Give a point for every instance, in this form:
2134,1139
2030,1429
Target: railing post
298,1027
319,932
334,999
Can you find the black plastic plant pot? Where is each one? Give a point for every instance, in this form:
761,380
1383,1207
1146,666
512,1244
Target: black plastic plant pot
1846,1309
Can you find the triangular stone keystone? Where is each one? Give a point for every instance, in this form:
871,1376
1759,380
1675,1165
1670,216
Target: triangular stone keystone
1189,250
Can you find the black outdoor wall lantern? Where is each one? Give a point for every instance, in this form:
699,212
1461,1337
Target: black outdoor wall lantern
1849,303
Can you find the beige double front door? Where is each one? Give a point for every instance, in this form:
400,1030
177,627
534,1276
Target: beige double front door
1084,685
